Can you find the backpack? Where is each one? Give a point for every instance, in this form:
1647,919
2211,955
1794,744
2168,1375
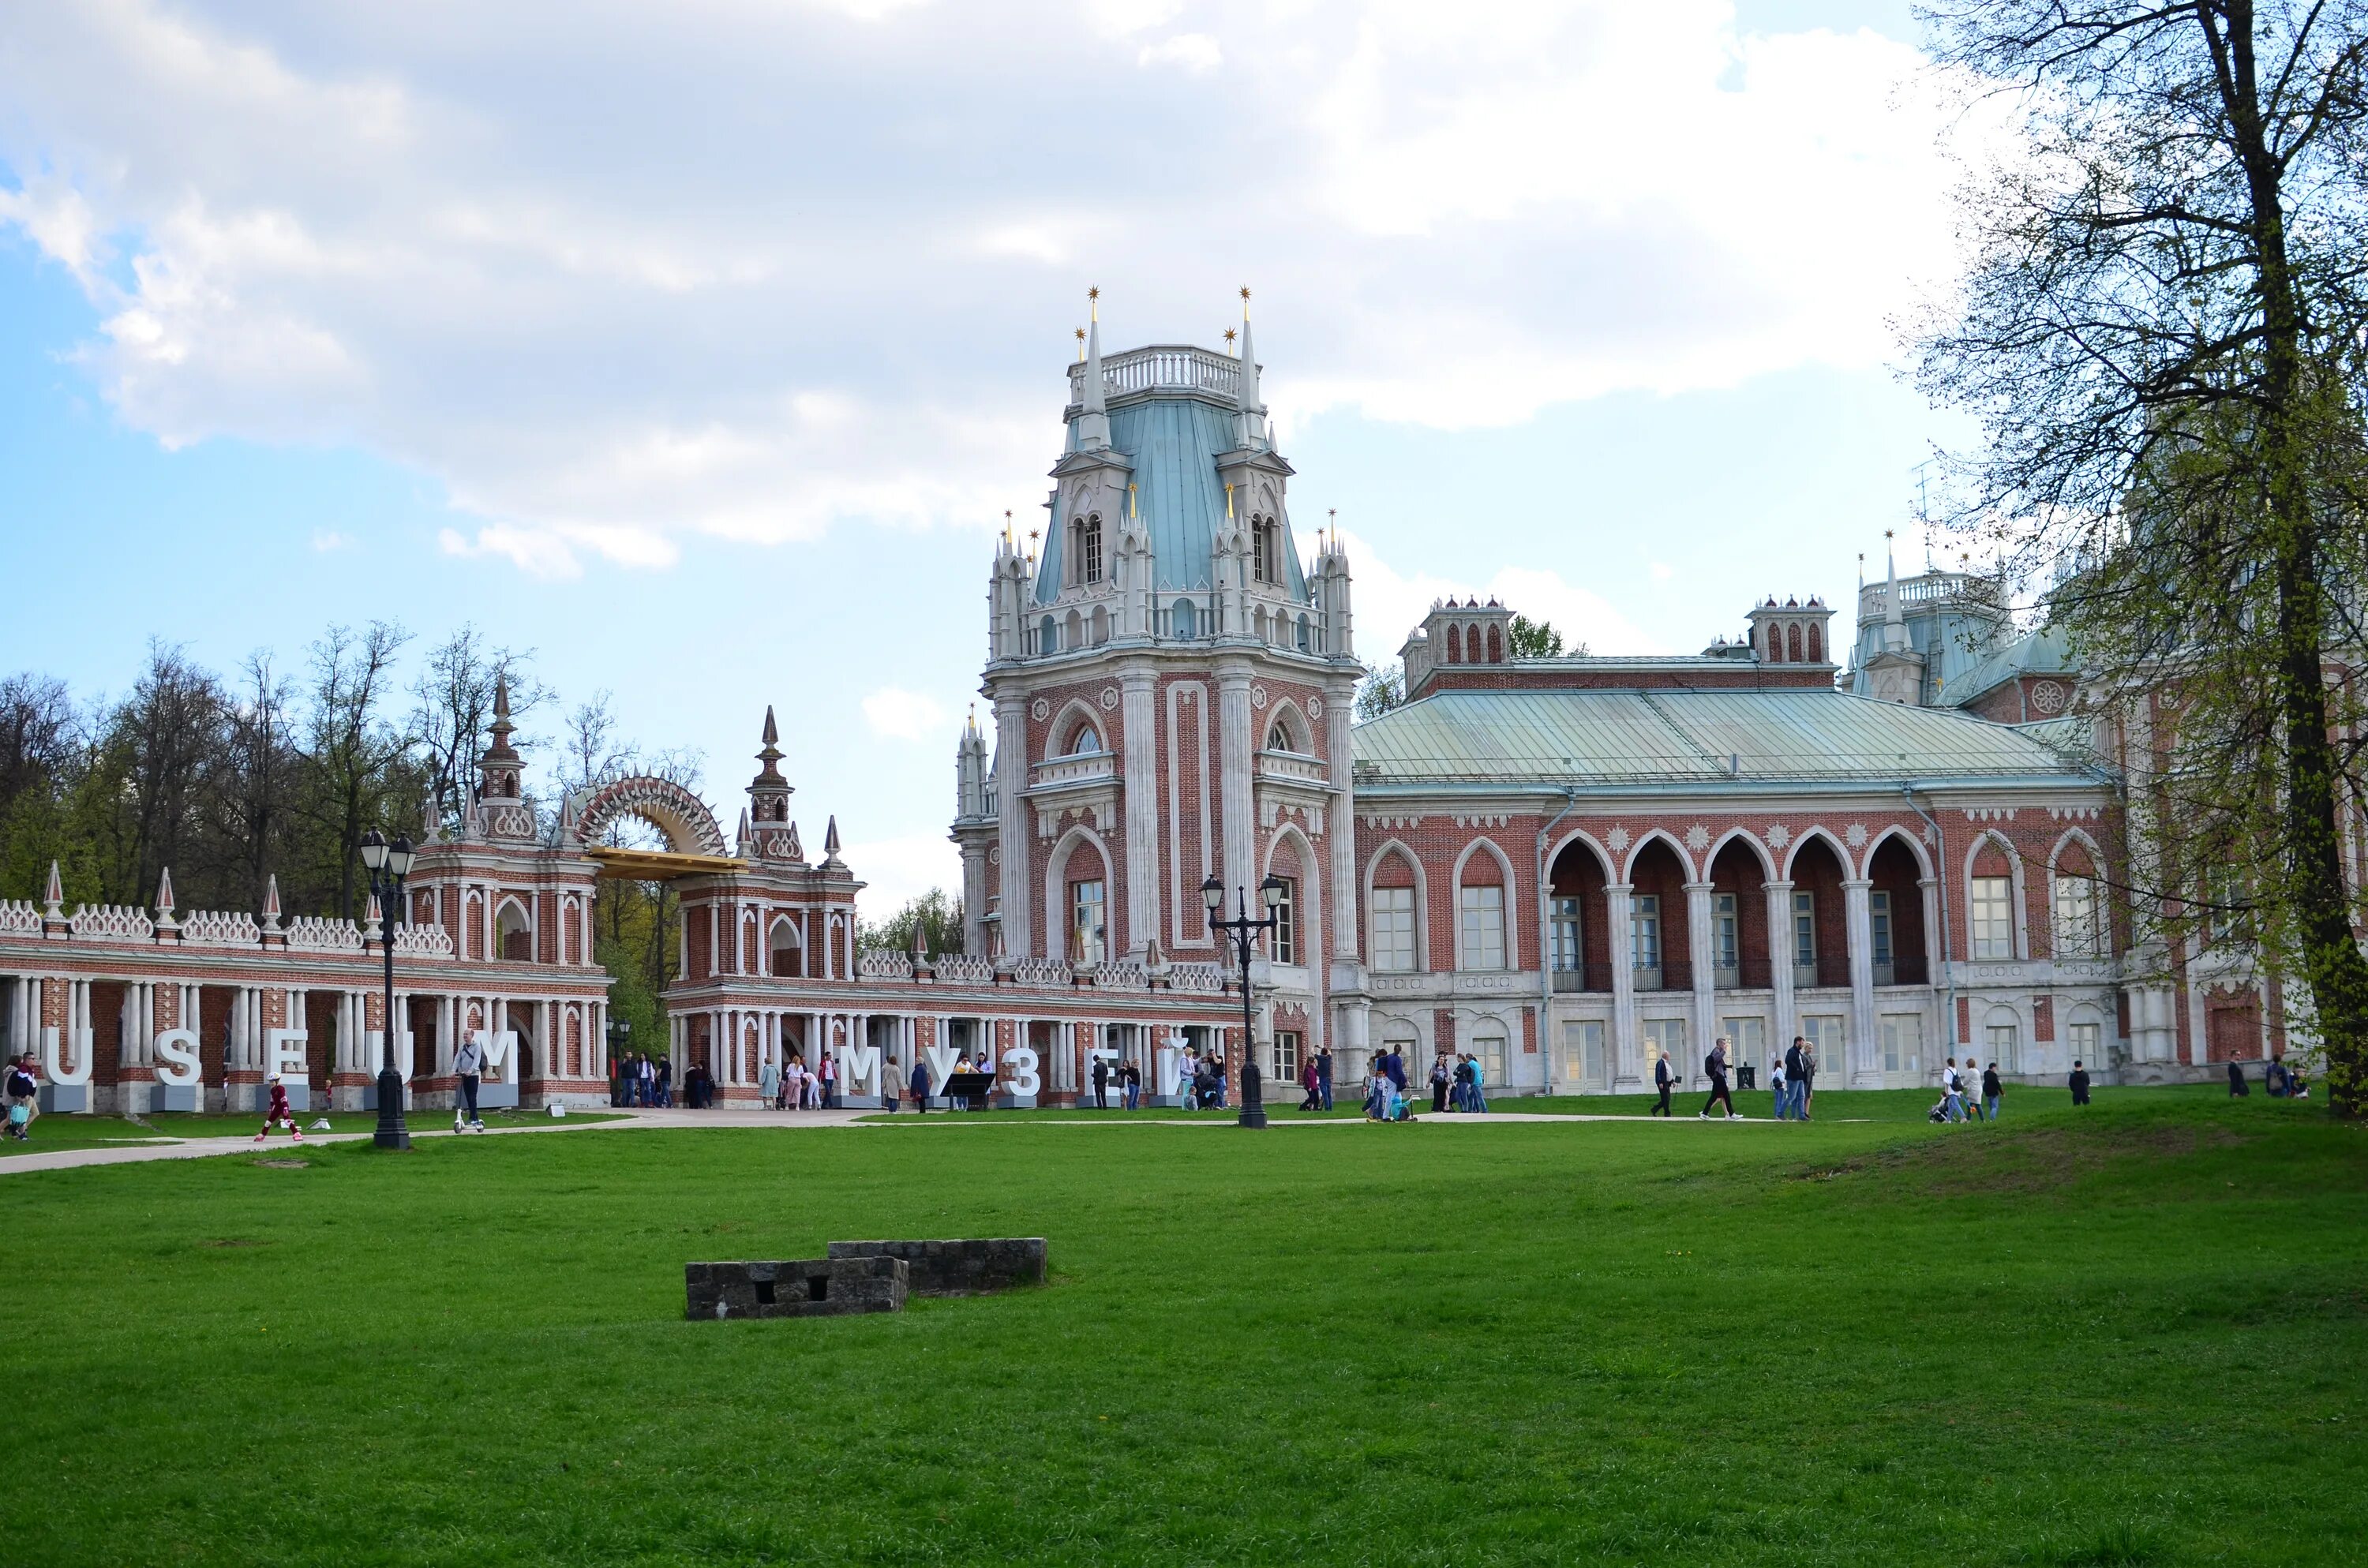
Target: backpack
1711,1065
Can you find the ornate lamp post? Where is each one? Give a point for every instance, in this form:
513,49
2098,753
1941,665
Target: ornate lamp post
388,863
1244,931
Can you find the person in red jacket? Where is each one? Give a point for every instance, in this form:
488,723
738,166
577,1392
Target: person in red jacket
279,1112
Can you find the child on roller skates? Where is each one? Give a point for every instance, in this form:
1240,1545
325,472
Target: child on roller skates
279,1112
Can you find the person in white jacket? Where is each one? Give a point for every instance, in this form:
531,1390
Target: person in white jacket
468,1072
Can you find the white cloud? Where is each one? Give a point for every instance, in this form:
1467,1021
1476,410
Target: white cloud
326,540
904,715
814,264
1195,52
1388,606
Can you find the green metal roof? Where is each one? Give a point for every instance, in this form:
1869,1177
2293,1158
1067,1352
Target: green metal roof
1631,738
2044,653
1174,443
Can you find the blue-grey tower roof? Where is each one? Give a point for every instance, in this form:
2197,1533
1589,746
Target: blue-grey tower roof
1173,412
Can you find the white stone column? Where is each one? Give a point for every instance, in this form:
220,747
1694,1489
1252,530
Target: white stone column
1633,1071
1011,824
1865,1069
1779,962
1705,983
1236,751
1138,714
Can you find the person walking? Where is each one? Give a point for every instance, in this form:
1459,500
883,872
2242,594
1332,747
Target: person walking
1796,1068
1312,1082
1324,1075
1394,1065
2237,1089
1101,1083
468,1074
1992,1091
662,1081
1715,1065
2078,1084
1458,1096
1665,1080
1952,1092
769,1083
1476,1099
1805,1087
1776,1083
1442,1078
1130,1078
1378,1089
920,1085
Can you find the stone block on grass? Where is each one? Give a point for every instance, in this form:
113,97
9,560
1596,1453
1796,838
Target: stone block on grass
800,1287
965,1267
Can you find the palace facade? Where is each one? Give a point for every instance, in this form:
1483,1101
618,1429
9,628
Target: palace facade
1565,865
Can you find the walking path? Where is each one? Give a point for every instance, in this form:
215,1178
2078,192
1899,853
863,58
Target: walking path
170,1148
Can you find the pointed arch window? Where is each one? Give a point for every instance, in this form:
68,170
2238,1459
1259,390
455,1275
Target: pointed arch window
1280,737
1793,644
1089,550
1262,550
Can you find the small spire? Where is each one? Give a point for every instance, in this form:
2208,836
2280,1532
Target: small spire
502,697
830,843
165,896
1093,413
1251,428
271,902
54,895
372,919
773,733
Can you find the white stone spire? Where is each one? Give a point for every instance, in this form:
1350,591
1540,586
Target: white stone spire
1093,420
1250,412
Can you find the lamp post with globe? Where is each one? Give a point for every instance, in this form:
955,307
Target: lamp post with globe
1244,932
388,863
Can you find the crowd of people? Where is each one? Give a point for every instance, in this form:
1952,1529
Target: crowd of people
634,1079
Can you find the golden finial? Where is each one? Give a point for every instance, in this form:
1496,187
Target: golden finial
1230,335
1006,524
1094,302
1229,503
1130,501
1245,302
1081,343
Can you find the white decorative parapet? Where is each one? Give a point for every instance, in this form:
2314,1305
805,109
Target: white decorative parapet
312,934
1205,978
1041,971
884,963
220,928
19,918
1124,974
112,923
964,969
423,942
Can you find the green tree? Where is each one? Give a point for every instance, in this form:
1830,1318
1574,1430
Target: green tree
1528,639
1382,689
936,914
2161,331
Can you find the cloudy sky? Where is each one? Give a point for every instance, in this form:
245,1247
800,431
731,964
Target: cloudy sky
702,346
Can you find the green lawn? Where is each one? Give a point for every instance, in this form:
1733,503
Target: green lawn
2133,1336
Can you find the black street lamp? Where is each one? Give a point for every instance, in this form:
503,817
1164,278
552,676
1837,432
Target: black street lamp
1245,934
388,863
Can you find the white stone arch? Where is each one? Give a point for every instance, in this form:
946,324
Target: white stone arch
1512,884
1311,879
1421,898
1604,858
1287,713
511,915
1915,846
689,828
1842,856
1073,633
1759,853
2081,836
2018,891
1057,892
1685,861
1073,713
1409,1029
784,924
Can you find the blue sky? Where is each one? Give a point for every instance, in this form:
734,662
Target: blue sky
434,360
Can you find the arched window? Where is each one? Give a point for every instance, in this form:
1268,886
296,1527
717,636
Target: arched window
1261,551
512,935
1792,643
2078,927
1817,644
1084,741
788,952
1048,636
1188,620
1279,738
1771,643
1496,646
1305,639
1101,626
1454,645
1480,910
1074,635
1089,550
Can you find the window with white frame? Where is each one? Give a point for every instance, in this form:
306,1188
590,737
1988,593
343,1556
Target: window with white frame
1664,1035
1903,1042
1992,916
2078,932
1644,930
1726,938
1086,913
1089,550
1566,953
1878,916
1484,928
2084,1043
1393,911
1805,929
1286,1056
1583,1058
1286,922
2005,1043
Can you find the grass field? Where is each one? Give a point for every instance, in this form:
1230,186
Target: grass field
111,1132
2129,1336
